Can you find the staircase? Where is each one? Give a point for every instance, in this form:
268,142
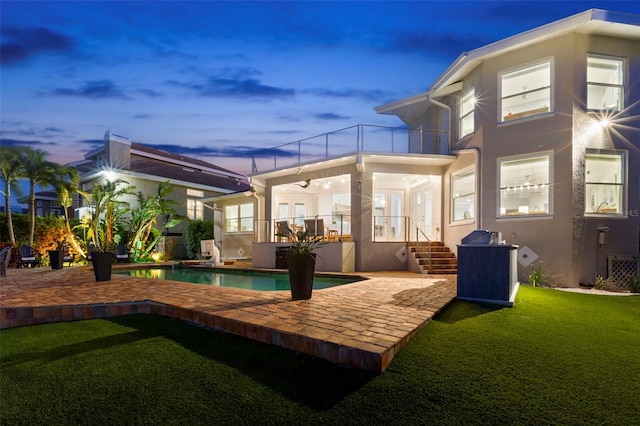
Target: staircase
443,261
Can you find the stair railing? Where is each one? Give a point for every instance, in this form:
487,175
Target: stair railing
424,242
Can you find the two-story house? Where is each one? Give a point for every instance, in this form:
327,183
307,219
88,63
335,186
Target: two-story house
535,136
144,168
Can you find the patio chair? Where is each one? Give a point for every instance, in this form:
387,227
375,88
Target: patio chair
122,254
67,256
5,258
315,227
283,231
26,257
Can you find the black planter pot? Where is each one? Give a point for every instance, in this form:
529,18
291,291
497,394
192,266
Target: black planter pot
301,269
56,259
102,265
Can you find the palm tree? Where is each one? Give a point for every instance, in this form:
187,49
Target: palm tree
107,209
67,183
11,172
145,215
38,171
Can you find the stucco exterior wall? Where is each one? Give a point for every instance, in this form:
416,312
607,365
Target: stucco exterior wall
565,240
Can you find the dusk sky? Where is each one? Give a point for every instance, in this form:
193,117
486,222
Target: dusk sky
216,80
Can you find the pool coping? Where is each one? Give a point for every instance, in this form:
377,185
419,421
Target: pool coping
360,325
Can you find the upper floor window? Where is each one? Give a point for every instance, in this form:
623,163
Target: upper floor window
525,185
605,173
605,83
526,91
238,218
463,186
195,210
467,107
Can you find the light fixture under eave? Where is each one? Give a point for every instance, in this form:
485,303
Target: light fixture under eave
604,122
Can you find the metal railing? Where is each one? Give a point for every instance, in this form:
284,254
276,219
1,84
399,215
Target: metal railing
422,243
329,227
358,138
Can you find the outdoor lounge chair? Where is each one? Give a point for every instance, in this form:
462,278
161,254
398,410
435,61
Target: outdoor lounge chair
283,231
5,258
315,227
67,257
122,255
26,257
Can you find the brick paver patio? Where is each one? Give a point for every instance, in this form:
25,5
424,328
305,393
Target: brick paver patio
362,325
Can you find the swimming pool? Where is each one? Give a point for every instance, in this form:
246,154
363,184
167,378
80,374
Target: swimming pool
233,278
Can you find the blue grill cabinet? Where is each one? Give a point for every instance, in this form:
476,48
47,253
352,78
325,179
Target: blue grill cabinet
488,273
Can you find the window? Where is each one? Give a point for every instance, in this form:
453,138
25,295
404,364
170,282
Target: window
524,186
604,179
238,218
283,210
605,83
466,107
526,92
194,193
299,212
464,195
194,207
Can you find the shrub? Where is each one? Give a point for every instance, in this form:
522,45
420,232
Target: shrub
538,276
197,230
634,283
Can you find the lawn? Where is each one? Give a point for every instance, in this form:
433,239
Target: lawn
554,358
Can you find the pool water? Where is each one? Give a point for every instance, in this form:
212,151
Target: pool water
238,279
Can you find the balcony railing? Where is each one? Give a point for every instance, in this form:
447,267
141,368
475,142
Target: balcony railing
336,228
329,227
358,138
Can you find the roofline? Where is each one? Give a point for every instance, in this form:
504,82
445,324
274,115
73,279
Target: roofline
553,29
153,178
185,162
467,61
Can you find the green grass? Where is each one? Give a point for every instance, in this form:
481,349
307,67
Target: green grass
555,358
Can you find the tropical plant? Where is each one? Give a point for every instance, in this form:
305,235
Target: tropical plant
11,172
38,171
197,230
302,242
107,209
142,235
66,183
538,276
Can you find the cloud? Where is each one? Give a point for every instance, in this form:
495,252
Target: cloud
151,93
91,142
230,151
21,44
445,45
141,116
33,143
331,116
98,89
374,95
236,88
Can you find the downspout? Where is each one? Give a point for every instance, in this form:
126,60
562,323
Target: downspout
478,181
448,108
455,152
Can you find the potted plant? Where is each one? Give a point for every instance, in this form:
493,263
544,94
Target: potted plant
56,257
106,210
301,262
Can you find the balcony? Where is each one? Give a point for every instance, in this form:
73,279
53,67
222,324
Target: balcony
359,138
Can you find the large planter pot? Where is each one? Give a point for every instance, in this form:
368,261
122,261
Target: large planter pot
56,259
102,263
301,269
